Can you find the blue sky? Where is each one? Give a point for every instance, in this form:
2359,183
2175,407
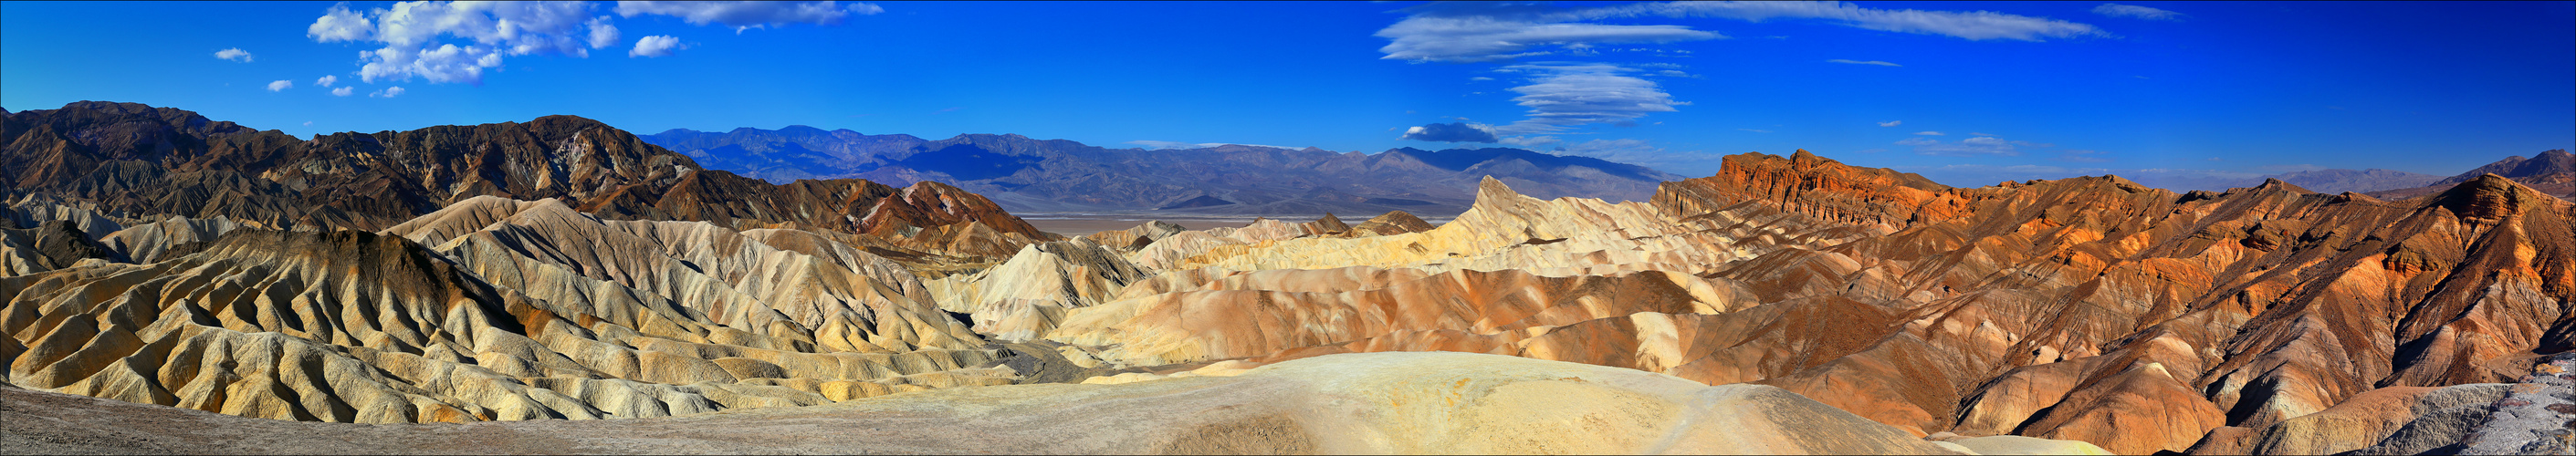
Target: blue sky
2015,90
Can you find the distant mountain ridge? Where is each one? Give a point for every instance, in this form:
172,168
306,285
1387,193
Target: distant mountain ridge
1026,174
2552,172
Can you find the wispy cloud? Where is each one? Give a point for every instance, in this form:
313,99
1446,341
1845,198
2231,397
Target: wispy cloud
2141,12
234,54
1481,32
388,92
1971,147
1929,133
748,15
1860,62
1891,123
1974,25
1451,132
280,85
2083,156
655,46
1477,32
1562,96
344,91
326,80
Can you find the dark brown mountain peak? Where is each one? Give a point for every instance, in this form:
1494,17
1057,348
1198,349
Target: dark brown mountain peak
2489,197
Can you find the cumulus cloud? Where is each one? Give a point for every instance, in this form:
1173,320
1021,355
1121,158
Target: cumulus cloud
2141,12
1929,133
388,92
1451,132
343,91
746,15
1860,62
233,54
411,35
602,33
654,46
1891,123
326,80
280,85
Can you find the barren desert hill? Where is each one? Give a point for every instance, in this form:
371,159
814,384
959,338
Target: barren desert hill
143,161
2266,319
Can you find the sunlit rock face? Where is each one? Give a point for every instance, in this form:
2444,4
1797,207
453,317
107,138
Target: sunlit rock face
2090,309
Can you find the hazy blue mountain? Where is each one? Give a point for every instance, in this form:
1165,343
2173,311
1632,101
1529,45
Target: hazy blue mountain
1032,175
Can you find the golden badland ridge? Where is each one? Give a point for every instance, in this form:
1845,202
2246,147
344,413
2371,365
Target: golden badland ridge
1837,309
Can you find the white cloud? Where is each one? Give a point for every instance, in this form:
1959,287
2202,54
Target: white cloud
1562,96
326,80
654,46
745,15
1474,32
1480,78
412,33
1858,62
1891,123
1451,132
2141,12
602,34
308,123
1977,25
1477,38
280,85
340,24
233,54
343,91
388,92
1977,146
2083,156
1929,133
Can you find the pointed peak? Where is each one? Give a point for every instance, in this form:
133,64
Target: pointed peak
1492,185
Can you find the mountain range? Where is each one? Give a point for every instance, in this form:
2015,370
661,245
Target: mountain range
1030,175
176,284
